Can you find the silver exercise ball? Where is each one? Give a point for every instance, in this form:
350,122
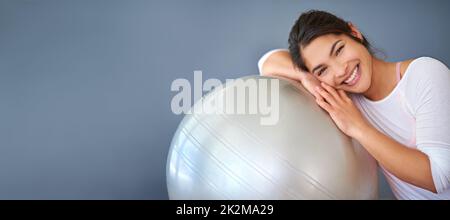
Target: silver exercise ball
234,156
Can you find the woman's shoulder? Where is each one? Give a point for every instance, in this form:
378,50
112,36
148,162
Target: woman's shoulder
427,77
425,67
425,62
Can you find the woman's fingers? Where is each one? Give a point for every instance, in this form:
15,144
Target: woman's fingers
344,95
325,94
310,82
322,103
331,90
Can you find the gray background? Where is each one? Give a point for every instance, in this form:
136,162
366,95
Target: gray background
85,85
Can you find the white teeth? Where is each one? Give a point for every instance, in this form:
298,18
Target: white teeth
352,77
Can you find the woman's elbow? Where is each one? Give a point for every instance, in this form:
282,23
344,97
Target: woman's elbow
265,65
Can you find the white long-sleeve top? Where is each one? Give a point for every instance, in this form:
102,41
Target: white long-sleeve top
416,114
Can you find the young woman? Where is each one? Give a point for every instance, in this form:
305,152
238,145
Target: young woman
399,112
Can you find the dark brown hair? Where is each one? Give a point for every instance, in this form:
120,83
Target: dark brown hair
313,24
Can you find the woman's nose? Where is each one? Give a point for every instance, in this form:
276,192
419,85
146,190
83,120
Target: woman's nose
341,70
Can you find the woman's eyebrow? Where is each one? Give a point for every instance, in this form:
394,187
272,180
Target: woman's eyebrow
317,67
334,45
331,53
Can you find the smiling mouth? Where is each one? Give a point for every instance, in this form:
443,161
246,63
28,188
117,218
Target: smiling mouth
354,77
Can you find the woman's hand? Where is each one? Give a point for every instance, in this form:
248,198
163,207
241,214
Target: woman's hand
310,82
279,64
342,110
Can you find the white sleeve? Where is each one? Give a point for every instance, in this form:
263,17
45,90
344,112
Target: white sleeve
264,58
430,98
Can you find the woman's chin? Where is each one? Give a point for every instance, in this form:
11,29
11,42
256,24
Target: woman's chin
358,89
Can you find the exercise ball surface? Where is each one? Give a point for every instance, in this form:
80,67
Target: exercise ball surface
302,156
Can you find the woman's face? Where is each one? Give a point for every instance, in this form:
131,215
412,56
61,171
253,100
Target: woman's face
340,62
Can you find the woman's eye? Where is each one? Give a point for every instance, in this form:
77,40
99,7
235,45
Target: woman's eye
338,51
321,71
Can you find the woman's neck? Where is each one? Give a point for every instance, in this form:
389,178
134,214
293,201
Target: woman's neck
383,80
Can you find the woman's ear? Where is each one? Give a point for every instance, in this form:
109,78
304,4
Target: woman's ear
355,31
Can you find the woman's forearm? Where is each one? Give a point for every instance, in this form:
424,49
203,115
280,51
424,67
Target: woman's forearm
407,164
279,63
